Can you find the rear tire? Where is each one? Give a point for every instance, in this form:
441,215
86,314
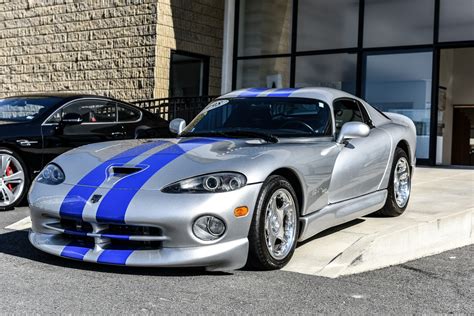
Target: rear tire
399,187
14,179
275,225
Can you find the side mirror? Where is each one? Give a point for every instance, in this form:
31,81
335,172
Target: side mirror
177,126
71,119
353,130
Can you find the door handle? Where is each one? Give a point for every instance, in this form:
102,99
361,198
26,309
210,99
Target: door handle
118,134
26,142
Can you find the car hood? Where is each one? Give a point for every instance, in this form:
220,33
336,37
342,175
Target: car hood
152,164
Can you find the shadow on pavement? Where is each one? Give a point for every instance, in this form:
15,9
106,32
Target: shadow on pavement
16,244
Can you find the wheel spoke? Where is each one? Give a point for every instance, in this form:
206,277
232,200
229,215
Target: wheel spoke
16,178
4,163
7,194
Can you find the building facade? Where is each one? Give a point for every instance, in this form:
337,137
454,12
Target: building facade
119,48
414,57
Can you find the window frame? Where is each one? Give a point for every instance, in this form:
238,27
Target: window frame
132,108
61,108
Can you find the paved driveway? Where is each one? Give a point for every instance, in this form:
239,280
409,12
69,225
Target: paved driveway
34,282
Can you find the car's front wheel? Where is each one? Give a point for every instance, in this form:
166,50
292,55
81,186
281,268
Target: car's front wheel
274,230
13,179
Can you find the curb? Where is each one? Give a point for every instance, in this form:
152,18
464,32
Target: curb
403,244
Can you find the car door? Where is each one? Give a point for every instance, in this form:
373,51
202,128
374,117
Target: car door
97,123
361,163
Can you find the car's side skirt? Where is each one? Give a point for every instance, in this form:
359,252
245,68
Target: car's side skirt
341,212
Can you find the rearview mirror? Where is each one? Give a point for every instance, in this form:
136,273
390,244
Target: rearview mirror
177,126
71,119
352,130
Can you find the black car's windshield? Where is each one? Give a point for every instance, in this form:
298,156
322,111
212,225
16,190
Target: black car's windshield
26,108
266,118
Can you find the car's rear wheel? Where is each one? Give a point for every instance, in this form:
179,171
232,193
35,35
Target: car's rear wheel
399,187
274,230
13,179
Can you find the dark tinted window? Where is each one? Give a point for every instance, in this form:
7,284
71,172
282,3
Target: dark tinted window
284,117
91,111
127,114
25,109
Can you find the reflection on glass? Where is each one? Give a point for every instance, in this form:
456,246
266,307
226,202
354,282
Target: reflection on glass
335,71
456,20
401,83
263,72
264,27
398,22
327,24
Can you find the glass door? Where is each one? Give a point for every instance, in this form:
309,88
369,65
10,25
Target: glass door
402,83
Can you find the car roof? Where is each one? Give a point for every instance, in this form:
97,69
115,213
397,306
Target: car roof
321,93
63,95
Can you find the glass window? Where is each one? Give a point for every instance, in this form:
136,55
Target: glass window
456,20
264,27
401,83
25,109
282,117
346,111
326,24
127,114
398,22
91,111
188,75
263,72
335,71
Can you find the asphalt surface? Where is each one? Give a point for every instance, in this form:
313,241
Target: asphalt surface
34,282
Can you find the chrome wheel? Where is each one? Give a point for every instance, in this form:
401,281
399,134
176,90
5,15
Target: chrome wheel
12,180
280,224
401,182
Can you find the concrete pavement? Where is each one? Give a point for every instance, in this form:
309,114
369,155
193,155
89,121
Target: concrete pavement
440,216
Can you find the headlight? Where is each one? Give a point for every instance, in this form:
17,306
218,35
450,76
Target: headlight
217,182
208,228
51,174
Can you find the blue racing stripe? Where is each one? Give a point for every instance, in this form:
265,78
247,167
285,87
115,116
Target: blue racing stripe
75,251
252,92
114,256
115,203
282,92
74,202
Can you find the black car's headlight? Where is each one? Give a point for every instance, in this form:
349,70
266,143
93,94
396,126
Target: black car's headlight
51,174
216,182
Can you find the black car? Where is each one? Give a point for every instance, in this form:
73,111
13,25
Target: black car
36,128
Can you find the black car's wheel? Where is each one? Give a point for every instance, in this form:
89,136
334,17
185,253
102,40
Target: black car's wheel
274,230
399,187
14,179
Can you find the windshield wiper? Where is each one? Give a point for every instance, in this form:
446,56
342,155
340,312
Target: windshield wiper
235,133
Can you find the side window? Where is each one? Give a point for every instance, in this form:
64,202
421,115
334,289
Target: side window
346,111
127,114
91,111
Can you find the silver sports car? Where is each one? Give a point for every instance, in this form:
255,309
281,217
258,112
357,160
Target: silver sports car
256,171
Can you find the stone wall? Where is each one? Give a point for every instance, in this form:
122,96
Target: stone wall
195,26
118,48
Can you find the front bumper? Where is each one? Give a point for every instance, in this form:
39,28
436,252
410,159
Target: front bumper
171,214
221,256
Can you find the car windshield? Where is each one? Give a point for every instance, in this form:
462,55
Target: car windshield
25,109
267,118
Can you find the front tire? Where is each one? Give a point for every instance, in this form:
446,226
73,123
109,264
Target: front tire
275,225
14,181
399,187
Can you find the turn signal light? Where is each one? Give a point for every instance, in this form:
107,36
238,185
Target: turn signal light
241,211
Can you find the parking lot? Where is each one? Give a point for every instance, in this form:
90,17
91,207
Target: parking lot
34,282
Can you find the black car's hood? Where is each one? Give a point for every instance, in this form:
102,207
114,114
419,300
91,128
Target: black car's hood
8,122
